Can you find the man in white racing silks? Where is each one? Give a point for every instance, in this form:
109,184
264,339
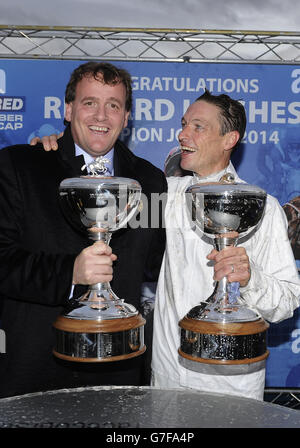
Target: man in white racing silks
212,128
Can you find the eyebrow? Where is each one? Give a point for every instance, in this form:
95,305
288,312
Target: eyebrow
88,98
194,120
94,98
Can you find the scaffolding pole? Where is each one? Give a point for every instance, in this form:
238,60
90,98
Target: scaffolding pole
149,44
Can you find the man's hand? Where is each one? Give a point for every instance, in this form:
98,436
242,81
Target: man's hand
49,142
94,265
233,263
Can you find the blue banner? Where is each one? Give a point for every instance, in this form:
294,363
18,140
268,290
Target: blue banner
32,104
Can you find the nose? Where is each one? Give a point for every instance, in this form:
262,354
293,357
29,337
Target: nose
183,134
100,112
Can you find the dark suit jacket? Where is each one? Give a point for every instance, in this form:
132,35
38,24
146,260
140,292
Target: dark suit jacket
37,251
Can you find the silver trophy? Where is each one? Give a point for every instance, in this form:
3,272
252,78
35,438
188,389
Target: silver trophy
223,331
99,326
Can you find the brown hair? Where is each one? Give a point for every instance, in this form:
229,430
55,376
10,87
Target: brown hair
233,115
111,75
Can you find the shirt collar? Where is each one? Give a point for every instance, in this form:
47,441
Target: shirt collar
88,158
215,177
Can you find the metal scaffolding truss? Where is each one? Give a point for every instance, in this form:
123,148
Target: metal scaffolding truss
144,44
289,398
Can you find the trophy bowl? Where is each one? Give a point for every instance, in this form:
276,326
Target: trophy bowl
99,326
223,331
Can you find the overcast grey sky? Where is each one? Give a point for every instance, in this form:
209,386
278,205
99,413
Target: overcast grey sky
271,15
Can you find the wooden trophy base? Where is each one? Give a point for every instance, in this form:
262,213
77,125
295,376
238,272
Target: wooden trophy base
223,343
108,340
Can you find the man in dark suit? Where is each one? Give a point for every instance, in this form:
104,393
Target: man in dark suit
42,256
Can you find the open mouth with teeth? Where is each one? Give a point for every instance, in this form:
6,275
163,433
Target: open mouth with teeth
98,128
187,149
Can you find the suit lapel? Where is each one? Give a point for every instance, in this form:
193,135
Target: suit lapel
67,153
123,161
76,164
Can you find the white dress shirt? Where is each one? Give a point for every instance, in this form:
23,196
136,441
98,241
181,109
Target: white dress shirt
89,159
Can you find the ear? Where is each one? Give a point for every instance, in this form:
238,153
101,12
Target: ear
126,119
68,112
231,139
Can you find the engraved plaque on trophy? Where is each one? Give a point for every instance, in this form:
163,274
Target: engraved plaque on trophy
99,326
222,334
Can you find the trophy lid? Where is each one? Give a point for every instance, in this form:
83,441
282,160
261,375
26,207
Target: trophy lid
220,208
87,182
216,188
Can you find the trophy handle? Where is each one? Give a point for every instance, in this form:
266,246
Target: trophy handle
225,294
102,290
96,234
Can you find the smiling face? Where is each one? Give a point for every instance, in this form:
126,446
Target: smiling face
204,150
97,114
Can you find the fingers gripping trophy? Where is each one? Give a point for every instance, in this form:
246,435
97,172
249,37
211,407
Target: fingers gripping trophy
222,335
99,326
